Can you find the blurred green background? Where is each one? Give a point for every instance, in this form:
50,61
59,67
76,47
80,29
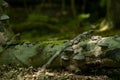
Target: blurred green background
54,19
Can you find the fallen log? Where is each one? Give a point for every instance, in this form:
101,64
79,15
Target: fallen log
95,51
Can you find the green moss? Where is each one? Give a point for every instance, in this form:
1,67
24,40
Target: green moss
53,42
37,17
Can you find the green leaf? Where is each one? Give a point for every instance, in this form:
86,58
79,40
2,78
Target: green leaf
83,16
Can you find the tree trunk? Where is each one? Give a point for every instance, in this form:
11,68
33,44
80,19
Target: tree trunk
113,13
112,20
73,7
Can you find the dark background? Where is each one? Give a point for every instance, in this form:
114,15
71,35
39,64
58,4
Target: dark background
54,19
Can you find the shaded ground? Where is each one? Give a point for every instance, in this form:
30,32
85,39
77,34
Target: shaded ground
19,73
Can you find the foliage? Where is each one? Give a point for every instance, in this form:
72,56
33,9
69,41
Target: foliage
38,18
42,19
83,16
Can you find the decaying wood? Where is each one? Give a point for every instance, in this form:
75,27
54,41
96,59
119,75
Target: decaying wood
66,45
79,53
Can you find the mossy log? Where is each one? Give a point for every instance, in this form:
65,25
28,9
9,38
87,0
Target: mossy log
84,52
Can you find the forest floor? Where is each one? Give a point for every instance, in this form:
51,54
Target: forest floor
20,73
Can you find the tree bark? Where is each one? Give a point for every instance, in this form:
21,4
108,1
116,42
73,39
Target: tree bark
113,13
73,7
